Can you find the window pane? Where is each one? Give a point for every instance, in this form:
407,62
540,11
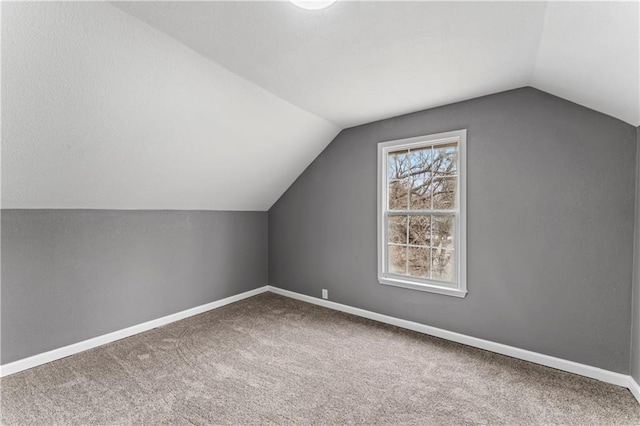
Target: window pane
397,165
398,194
422,220
420,192
420,160
443,231
420,230
444,193
397,259
442,265
445,159
397,229
419,262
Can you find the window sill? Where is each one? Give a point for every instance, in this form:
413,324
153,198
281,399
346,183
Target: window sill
432,288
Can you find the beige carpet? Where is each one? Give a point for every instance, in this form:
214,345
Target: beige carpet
271,359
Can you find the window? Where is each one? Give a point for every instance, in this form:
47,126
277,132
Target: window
421,213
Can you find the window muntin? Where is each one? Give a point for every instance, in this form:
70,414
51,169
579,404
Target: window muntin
421,213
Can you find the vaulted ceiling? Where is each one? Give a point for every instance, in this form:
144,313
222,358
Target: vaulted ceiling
221,105
357,62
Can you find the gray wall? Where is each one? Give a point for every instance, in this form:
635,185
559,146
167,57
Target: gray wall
550,218
69,275
635,336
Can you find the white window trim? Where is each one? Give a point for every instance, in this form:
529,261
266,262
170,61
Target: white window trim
460,288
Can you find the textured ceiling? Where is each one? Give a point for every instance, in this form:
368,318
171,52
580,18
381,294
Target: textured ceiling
590,54
102,111
357,62
221,105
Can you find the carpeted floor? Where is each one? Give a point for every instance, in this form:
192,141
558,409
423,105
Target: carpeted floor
270,359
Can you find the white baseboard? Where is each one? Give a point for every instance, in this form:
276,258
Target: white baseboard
43,358
549,361
634,387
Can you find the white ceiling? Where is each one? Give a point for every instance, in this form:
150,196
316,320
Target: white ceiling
357,62
101,111
590,54
221,105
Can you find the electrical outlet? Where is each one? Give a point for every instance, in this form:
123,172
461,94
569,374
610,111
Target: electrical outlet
325,293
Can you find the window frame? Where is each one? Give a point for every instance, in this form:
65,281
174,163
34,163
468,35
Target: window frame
459,288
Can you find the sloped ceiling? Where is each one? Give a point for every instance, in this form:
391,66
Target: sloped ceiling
102,111
221,105
357,62
590,54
